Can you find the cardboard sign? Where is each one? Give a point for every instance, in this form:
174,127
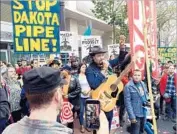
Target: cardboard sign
36,26
68,42
89,41
113,49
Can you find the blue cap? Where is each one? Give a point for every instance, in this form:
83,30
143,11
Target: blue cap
66,67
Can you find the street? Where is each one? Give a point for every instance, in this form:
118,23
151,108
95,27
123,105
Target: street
164,127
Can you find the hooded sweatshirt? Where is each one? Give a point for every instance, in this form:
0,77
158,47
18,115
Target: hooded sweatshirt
28,126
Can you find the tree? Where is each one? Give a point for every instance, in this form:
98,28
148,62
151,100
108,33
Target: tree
166,21
114,12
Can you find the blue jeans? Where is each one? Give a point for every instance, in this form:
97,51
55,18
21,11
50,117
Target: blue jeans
82,110
138,127
171,108
3,124
109,116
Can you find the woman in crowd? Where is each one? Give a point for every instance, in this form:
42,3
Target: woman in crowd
34,64
55,64
85,93
72,92
14,87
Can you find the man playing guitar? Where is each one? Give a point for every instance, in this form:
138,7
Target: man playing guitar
95,75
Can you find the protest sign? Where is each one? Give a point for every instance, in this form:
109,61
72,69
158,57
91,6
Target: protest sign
36,26
115,120
167,53
89,41
68,42
113,49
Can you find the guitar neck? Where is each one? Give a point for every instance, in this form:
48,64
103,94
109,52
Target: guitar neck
118,80
123,73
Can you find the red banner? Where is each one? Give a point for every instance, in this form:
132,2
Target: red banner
151,21
137,21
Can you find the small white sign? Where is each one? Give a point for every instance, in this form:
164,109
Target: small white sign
68,42
113,49
87,42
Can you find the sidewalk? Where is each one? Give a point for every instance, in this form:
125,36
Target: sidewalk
103,127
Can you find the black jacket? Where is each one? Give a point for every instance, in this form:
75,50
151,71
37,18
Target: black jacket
4,104
124,60
74,91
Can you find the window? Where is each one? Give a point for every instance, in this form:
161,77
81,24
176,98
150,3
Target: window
3,55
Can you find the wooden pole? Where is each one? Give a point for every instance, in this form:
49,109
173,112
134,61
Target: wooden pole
147,69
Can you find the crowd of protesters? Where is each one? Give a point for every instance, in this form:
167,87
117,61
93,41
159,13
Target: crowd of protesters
15,102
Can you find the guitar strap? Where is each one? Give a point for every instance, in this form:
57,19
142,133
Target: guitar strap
100,75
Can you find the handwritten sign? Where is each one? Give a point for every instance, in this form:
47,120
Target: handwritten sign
113,49
167,53
89,41
36,26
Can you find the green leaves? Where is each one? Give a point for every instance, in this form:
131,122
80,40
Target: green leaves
114,12
166,22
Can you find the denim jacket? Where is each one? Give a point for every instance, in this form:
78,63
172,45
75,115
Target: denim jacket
94,75
133,100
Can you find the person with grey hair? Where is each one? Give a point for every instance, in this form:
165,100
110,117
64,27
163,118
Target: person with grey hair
3,67
14,87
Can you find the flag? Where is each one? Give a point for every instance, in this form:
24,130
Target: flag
88,31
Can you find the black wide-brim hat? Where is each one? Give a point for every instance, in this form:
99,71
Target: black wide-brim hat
96,50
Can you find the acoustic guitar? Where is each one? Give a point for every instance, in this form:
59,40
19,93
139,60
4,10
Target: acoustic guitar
104,92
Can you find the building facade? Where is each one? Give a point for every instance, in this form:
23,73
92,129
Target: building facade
77,15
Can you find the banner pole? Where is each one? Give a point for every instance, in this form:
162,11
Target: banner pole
148,69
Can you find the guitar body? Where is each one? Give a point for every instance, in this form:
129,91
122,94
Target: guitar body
104,91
